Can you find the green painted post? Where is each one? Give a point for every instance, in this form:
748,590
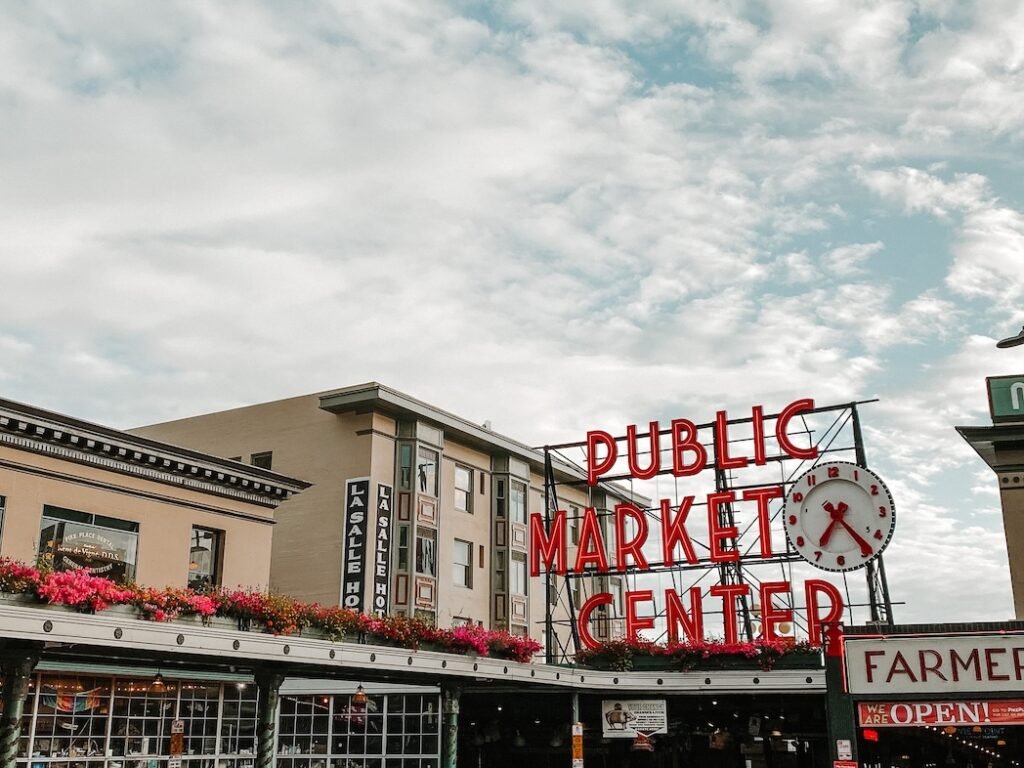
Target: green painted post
269,683
839,706
17,671
450,695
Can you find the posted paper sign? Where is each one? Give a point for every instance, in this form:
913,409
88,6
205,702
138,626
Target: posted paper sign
625,718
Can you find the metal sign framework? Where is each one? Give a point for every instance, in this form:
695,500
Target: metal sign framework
840,436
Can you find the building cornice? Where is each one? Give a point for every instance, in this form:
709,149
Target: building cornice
34,430
373,396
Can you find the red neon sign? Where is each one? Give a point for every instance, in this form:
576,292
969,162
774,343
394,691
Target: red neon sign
643,453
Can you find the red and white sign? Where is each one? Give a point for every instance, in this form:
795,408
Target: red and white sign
943,664
685,455
889,714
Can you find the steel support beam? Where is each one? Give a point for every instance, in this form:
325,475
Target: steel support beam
16,665
268,681
450,695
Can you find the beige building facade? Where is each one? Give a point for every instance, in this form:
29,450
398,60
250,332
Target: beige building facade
445,532
80,495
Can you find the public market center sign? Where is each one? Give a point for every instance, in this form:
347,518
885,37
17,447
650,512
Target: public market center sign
688,456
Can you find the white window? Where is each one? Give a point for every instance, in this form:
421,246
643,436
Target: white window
463,488
517,502
518,573
574,525
462,566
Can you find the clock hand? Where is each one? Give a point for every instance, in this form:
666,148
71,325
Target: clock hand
865,548
837,517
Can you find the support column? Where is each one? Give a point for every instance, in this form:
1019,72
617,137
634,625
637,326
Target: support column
450,695
839,707
268,681
16,666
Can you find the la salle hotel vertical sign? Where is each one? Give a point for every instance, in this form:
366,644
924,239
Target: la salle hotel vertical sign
382,550
353,578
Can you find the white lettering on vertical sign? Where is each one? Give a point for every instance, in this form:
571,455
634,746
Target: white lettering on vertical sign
354,579
382,550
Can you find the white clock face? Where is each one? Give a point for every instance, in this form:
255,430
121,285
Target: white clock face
839,516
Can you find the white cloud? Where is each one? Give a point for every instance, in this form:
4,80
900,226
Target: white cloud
848,260
557,217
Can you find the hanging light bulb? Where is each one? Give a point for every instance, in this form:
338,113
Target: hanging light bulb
519,740
158,685
359,697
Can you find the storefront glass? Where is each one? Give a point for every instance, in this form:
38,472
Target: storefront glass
80,721
104,546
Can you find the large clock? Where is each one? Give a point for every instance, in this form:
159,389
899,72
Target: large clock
839,516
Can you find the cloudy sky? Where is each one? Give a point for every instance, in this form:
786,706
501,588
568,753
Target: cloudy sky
553,216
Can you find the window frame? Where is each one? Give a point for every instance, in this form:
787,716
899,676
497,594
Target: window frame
464,493
260,456
216,556
55,516
513,508
466,569
517,567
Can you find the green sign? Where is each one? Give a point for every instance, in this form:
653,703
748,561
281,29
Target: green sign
1006,397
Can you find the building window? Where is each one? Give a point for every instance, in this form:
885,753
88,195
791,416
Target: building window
517,502
103,546
264,460
499,498
462,565
518,573
499,571
426,548
405,467
574,525
403,547
463,488
461,621
426,471
204,558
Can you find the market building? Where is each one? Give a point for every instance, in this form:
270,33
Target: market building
946,695
113,690
82,496
1001,446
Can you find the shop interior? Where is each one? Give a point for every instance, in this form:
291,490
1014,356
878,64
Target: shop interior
707,730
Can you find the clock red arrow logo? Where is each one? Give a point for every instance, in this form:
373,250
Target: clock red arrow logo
838,512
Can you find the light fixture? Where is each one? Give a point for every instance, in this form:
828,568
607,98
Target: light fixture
642,744
1011,341
158,685
519,741
359,697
